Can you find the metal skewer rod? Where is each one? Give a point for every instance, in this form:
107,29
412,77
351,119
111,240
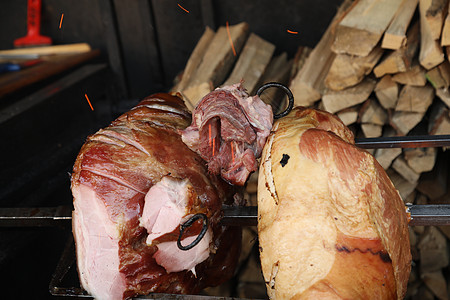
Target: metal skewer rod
420,215
404,141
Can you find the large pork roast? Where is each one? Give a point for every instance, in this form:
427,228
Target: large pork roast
134,183
331,224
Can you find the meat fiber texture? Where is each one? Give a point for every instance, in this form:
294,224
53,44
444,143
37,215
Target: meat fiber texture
134,183
331,224
229,130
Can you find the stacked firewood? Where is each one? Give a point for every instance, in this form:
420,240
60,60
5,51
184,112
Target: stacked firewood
383,67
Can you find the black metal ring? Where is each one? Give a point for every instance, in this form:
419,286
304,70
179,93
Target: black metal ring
286,90
189,223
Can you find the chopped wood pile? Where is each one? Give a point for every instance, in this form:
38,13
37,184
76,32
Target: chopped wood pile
383,67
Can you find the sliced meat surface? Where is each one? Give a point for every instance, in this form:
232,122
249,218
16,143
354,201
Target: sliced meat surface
229,130
121,226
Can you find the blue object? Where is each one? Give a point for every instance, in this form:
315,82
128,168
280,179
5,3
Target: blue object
9,67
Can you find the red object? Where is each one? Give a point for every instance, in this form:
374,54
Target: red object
33,37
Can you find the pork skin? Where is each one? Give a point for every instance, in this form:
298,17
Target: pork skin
331,224
134,183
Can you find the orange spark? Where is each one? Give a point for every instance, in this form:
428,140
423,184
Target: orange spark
214,145
293,32
60,22
183,8
232,152
85,95
209,135
231,41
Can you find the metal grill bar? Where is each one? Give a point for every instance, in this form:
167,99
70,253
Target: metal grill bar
404,141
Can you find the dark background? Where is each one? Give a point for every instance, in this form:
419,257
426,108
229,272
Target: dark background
144,44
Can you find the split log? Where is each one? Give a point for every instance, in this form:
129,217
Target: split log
401,167
335,101
434,15
431,53
349,70
395,35
444,95
400,60
386,91
439,119
414,76
445,37
252,62
372,112
421,159
371,130
404,187
217,62
403,121
436,282
308,84
357,35
349,115
439,76
385,156
434,184
194,60
423,293
433,248
415,98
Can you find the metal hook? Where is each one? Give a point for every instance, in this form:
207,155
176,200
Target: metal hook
286,90
189,223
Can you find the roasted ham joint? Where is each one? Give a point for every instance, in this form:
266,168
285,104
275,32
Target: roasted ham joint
135,182
148,192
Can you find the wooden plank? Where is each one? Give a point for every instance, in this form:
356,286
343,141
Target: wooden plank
439,76
395,35
362,28
252,62
217,62
194,60
139,47
434,15
348,70
307,86
445,37
177,32
400,60
415,98
431,53
335,101
386,91
415,76
372,112
51,66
